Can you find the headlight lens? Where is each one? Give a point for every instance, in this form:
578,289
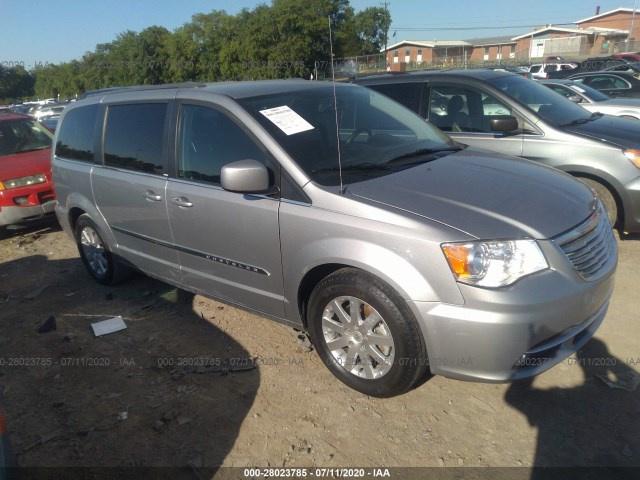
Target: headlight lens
494,264
22,181
634,156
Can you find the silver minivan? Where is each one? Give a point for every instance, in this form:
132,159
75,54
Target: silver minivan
334,210
510,114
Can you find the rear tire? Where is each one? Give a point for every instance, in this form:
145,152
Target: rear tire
96,255
606,197
365,333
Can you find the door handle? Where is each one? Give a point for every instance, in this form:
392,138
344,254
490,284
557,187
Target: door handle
151,196
181,202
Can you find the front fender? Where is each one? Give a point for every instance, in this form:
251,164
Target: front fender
395,267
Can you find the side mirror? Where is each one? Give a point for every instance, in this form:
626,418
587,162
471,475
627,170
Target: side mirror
503,123
575,98
245,176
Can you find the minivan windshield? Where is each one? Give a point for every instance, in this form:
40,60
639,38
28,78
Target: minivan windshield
374,136
552,107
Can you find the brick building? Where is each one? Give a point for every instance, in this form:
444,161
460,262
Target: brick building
622,19
602,34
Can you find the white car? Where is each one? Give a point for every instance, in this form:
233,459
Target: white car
48,111
594,100
540,70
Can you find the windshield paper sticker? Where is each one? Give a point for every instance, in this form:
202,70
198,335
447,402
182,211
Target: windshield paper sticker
287,120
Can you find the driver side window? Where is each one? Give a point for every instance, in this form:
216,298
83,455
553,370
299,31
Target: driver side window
461,108
208,140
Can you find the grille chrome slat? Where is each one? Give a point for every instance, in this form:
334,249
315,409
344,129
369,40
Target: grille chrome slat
590,246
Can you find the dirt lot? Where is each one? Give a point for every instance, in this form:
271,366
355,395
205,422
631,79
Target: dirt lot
135,398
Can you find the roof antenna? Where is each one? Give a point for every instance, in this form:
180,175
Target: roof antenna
335,106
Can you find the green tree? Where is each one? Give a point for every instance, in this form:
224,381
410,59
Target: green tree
281,40
15,83
183,56
372,26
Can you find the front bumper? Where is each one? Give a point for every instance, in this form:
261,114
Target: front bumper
501,335
13,215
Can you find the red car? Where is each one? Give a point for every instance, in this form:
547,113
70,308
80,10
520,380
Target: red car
629,57
26,191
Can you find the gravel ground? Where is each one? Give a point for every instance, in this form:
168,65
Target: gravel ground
175,388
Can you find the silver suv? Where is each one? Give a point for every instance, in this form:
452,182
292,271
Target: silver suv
333,209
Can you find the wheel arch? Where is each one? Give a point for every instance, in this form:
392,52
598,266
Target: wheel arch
74,214
609,186
405,275
312,278
77,205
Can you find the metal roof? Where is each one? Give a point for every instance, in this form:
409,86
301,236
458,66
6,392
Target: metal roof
610,12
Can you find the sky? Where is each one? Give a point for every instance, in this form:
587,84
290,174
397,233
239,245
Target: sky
40,32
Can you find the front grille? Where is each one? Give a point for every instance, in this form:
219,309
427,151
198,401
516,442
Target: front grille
590,247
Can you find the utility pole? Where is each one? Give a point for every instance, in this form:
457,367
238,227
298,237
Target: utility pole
631,36
386,31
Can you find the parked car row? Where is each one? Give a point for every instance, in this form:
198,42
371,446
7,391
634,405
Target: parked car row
593,64
47,113
390,241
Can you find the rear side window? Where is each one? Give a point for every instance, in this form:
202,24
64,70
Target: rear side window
134,137
408,94
76,136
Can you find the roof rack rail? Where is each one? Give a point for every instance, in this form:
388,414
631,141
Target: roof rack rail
129,88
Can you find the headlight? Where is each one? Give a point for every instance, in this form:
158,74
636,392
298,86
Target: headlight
494,264
634,156
22,181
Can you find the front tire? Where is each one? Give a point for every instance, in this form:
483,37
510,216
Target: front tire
365,333
95,253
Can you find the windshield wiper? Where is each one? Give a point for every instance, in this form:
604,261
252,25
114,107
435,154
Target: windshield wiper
580,121
356,167
421,152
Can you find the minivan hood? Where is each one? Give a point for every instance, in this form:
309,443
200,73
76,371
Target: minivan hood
485,195
621,132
